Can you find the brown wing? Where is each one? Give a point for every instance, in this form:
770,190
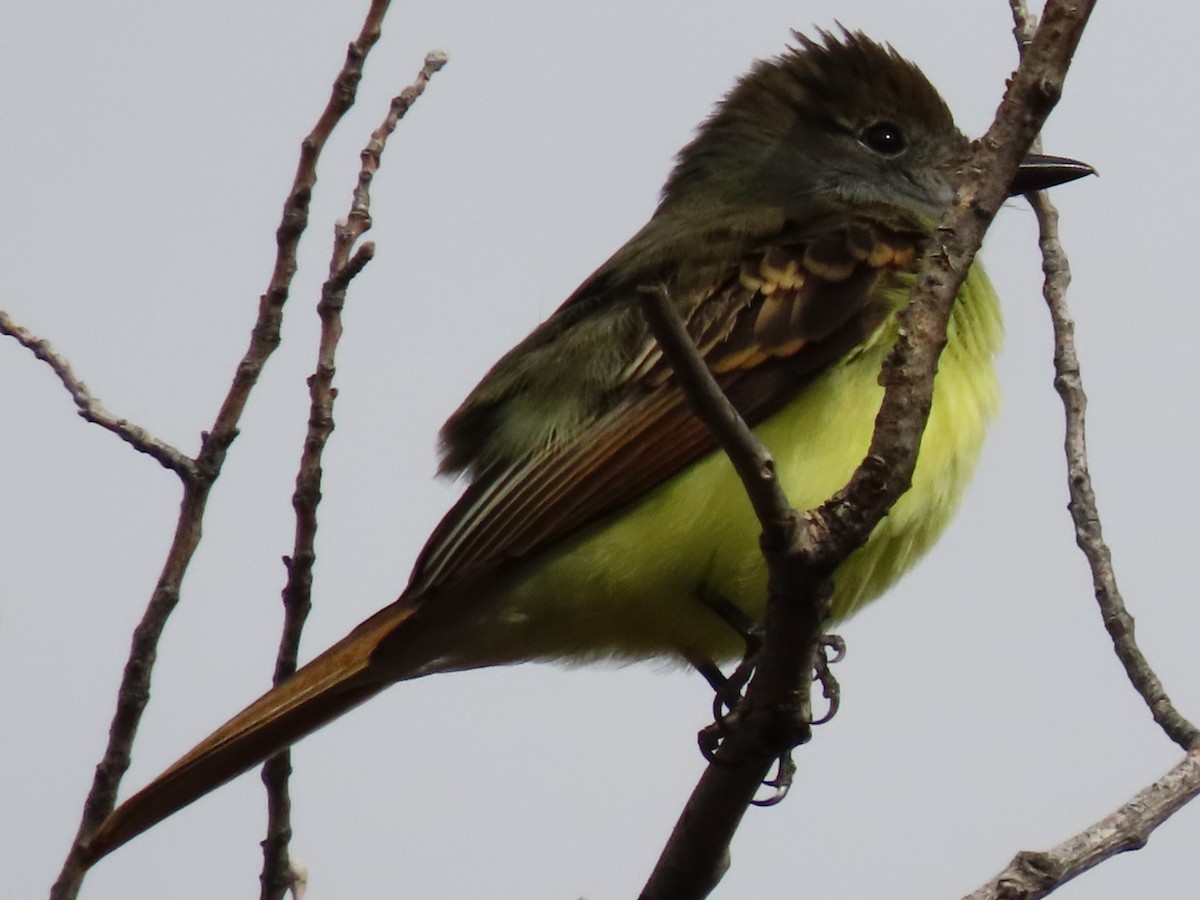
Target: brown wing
767,325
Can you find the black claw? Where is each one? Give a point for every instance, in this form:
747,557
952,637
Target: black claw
835,643
727,690
785,773
832,650
727,697
709,739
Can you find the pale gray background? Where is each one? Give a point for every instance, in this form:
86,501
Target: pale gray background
146,150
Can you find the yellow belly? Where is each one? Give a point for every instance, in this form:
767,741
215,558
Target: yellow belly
631,588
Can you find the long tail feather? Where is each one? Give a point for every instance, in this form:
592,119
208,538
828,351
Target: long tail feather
338,680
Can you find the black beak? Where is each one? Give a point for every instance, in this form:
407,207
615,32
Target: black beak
1038,172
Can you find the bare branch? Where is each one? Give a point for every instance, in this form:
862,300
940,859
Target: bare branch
134,691
92,410
1084,513
696,855
1032,875
359,220
908,373
749,455
265,336
1036,874
278,873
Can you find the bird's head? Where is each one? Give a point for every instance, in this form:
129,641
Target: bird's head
841,120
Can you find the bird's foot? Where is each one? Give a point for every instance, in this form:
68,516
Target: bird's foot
727,699
727,689
728,694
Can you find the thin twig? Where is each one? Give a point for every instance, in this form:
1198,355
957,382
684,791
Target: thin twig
696,855
278,873
1024,25
358,222
1084,512
1035,874
134,691
91,409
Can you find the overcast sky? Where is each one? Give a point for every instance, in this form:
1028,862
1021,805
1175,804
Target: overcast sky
147,148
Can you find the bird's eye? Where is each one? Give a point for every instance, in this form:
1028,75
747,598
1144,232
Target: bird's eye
885,138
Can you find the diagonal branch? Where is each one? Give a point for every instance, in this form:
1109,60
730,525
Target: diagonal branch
697,853
90,407
1036,874
1032,875
749,456
1085,514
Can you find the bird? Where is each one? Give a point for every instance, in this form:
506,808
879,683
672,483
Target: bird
598,515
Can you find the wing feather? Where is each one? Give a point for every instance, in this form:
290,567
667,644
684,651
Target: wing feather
766,325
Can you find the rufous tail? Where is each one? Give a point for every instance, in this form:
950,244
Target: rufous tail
339,679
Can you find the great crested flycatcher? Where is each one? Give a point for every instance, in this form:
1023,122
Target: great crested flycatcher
598,516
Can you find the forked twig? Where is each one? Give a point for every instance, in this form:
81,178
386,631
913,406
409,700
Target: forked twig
134,690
